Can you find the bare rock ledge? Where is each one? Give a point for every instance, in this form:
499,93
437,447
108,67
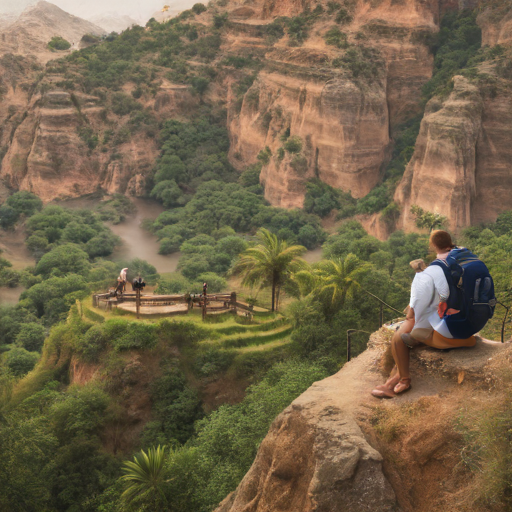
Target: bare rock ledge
316,458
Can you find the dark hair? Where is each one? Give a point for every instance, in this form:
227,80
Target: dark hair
441,240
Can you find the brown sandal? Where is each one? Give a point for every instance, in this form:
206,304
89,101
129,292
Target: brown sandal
402,386
383,392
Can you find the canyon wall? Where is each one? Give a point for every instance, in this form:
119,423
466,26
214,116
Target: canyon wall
343,118
462,164
338,103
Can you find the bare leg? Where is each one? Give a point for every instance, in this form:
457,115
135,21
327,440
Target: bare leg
401,356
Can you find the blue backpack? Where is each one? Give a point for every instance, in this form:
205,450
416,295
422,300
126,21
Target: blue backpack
471,292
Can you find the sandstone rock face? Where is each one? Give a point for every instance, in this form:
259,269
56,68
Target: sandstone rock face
47,156
496,23
344,121
461,166
325,117
314,458
441,174
320,453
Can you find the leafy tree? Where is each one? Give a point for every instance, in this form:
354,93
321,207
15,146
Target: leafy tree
293,144
177,283
426,219
335,37
31,337
8,216
270,263
102,245
64,259
199,8
25,203
20,361
53,296
216,283
168,192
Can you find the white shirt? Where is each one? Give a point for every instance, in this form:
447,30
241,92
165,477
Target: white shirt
429,286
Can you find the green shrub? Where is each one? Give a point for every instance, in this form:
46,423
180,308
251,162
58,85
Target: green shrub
213,362
91,344
456,43
9,277
298,29
264,156
275,30
122,104
20,361
251,176
181,333
363,63
25,203
199,8
64,259
8,216
343,16
177,283
293,144
31,337
176,405
219,20
375,201
335,37
215,282
58,43
136,336
79,413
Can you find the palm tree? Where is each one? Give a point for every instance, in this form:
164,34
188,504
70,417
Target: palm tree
334,280
145,478
338,278
270,263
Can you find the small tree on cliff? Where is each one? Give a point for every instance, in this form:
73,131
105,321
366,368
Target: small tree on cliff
270,263
426,219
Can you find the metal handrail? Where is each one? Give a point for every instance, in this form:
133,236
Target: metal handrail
349,341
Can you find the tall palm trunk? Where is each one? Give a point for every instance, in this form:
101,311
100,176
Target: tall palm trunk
273,293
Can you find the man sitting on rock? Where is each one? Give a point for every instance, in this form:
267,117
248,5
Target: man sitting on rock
429,292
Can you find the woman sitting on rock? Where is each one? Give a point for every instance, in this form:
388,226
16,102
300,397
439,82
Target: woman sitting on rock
429,291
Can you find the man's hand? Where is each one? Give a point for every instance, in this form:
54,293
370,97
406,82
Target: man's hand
442,310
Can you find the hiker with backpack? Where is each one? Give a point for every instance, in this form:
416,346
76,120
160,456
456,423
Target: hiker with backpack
451,300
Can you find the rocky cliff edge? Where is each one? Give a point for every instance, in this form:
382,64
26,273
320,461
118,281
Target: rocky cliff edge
326,452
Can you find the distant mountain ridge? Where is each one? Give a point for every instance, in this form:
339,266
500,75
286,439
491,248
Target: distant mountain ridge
35,27
113,21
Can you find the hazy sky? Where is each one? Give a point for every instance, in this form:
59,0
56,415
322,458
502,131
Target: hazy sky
141,10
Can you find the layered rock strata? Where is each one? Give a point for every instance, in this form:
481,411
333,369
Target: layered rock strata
344,120
462,164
